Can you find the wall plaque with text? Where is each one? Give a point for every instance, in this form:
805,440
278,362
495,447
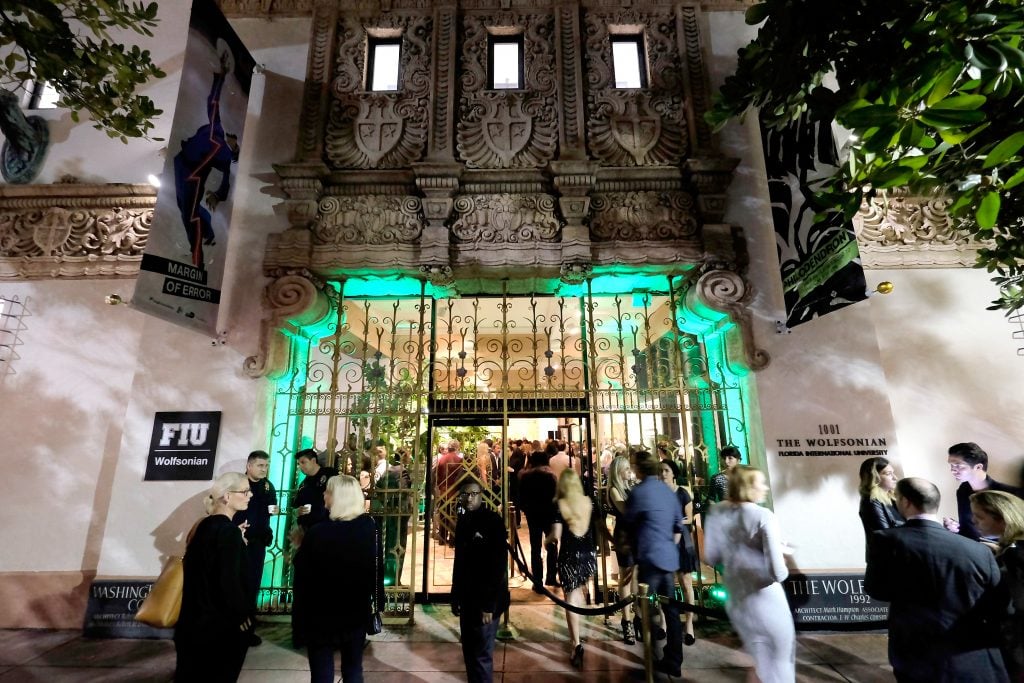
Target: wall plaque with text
183,446
833,602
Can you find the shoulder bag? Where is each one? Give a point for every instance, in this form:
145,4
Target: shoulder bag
162,606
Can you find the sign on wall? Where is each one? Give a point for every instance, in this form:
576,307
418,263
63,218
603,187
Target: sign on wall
110,612
183,446
183,264
833,602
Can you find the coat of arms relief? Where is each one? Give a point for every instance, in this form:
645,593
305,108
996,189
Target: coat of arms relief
379,129
508,128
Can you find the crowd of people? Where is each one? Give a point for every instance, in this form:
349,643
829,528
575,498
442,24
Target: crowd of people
955,586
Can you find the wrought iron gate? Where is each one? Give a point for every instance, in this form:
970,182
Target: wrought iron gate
374,375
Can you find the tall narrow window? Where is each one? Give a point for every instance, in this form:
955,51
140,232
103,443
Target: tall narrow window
628,61
505,62
382,68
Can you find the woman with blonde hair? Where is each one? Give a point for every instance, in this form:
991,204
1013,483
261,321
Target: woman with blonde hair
878,497
1000,514
212,633
620,481
744,537
346,548
577,556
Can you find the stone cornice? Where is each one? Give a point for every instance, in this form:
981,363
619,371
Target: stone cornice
900,231
73,230
304,8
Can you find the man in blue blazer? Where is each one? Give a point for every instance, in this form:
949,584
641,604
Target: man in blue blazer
942,593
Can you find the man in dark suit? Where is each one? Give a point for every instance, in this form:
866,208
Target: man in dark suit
942,593
479,581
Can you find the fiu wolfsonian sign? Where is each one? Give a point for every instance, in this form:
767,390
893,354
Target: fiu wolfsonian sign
183,446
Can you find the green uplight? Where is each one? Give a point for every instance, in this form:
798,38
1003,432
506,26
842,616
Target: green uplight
385,286
718,593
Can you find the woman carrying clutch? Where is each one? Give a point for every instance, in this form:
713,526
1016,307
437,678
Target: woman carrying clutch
345,550
744,537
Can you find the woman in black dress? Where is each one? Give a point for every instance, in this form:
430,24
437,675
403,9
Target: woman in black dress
577,557
620,481
878,497
997,513
687,553
212,633
339,571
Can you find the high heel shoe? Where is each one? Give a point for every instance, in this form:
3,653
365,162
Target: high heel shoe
689,639
577,656
627,633
638,628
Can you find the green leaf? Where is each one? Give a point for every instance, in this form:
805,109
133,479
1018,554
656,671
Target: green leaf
1004,150
867,117
944,84
949,118
756,14
988,211
915,163
960,103
1014,180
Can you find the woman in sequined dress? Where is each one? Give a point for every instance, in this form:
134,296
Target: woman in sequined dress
577,559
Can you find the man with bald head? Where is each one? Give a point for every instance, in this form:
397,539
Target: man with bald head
942,593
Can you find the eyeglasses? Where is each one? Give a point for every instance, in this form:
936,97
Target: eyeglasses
467,494
249,491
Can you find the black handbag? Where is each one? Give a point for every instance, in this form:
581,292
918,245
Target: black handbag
375,624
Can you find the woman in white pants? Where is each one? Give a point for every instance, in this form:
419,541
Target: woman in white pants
744,537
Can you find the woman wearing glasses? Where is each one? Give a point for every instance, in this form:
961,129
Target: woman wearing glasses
212,634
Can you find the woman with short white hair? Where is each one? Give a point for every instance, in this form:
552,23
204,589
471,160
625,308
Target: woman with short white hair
212,634
346,550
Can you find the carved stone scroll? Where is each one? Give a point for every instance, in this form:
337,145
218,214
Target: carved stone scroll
505,219
911,232
368,219
291,302
637,216
74,231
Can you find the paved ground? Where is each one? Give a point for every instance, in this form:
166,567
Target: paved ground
430,652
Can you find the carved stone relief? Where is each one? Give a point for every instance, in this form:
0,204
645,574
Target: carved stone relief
368,219
376,129
637,216
508,129
505,218
74,231
635,127
911,232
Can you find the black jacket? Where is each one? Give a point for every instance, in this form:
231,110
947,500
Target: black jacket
480,574
944,603
214,599
876,515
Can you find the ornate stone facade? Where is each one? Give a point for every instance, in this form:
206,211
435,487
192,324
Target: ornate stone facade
900,231
74,231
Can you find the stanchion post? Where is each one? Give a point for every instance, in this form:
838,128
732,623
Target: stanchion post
507,631
645,624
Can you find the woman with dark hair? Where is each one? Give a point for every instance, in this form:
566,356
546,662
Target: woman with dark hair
878,497
999,514
212,633
687,553
744,537
345,548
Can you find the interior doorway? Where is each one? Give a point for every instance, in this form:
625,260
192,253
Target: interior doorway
490,451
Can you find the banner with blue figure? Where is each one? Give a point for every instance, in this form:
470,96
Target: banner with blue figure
183,264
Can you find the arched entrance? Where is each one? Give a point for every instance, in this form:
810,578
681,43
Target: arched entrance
611,363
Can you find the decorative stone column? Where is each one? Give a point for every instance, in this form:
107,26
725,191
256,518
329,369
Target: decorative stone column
574,181
710,177
438,182
293,301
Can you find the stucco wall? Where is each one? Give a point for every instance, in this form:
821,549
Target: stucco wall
78,412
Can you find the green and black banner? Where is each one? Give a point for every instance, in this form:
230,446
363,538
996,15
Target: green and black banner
818,255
